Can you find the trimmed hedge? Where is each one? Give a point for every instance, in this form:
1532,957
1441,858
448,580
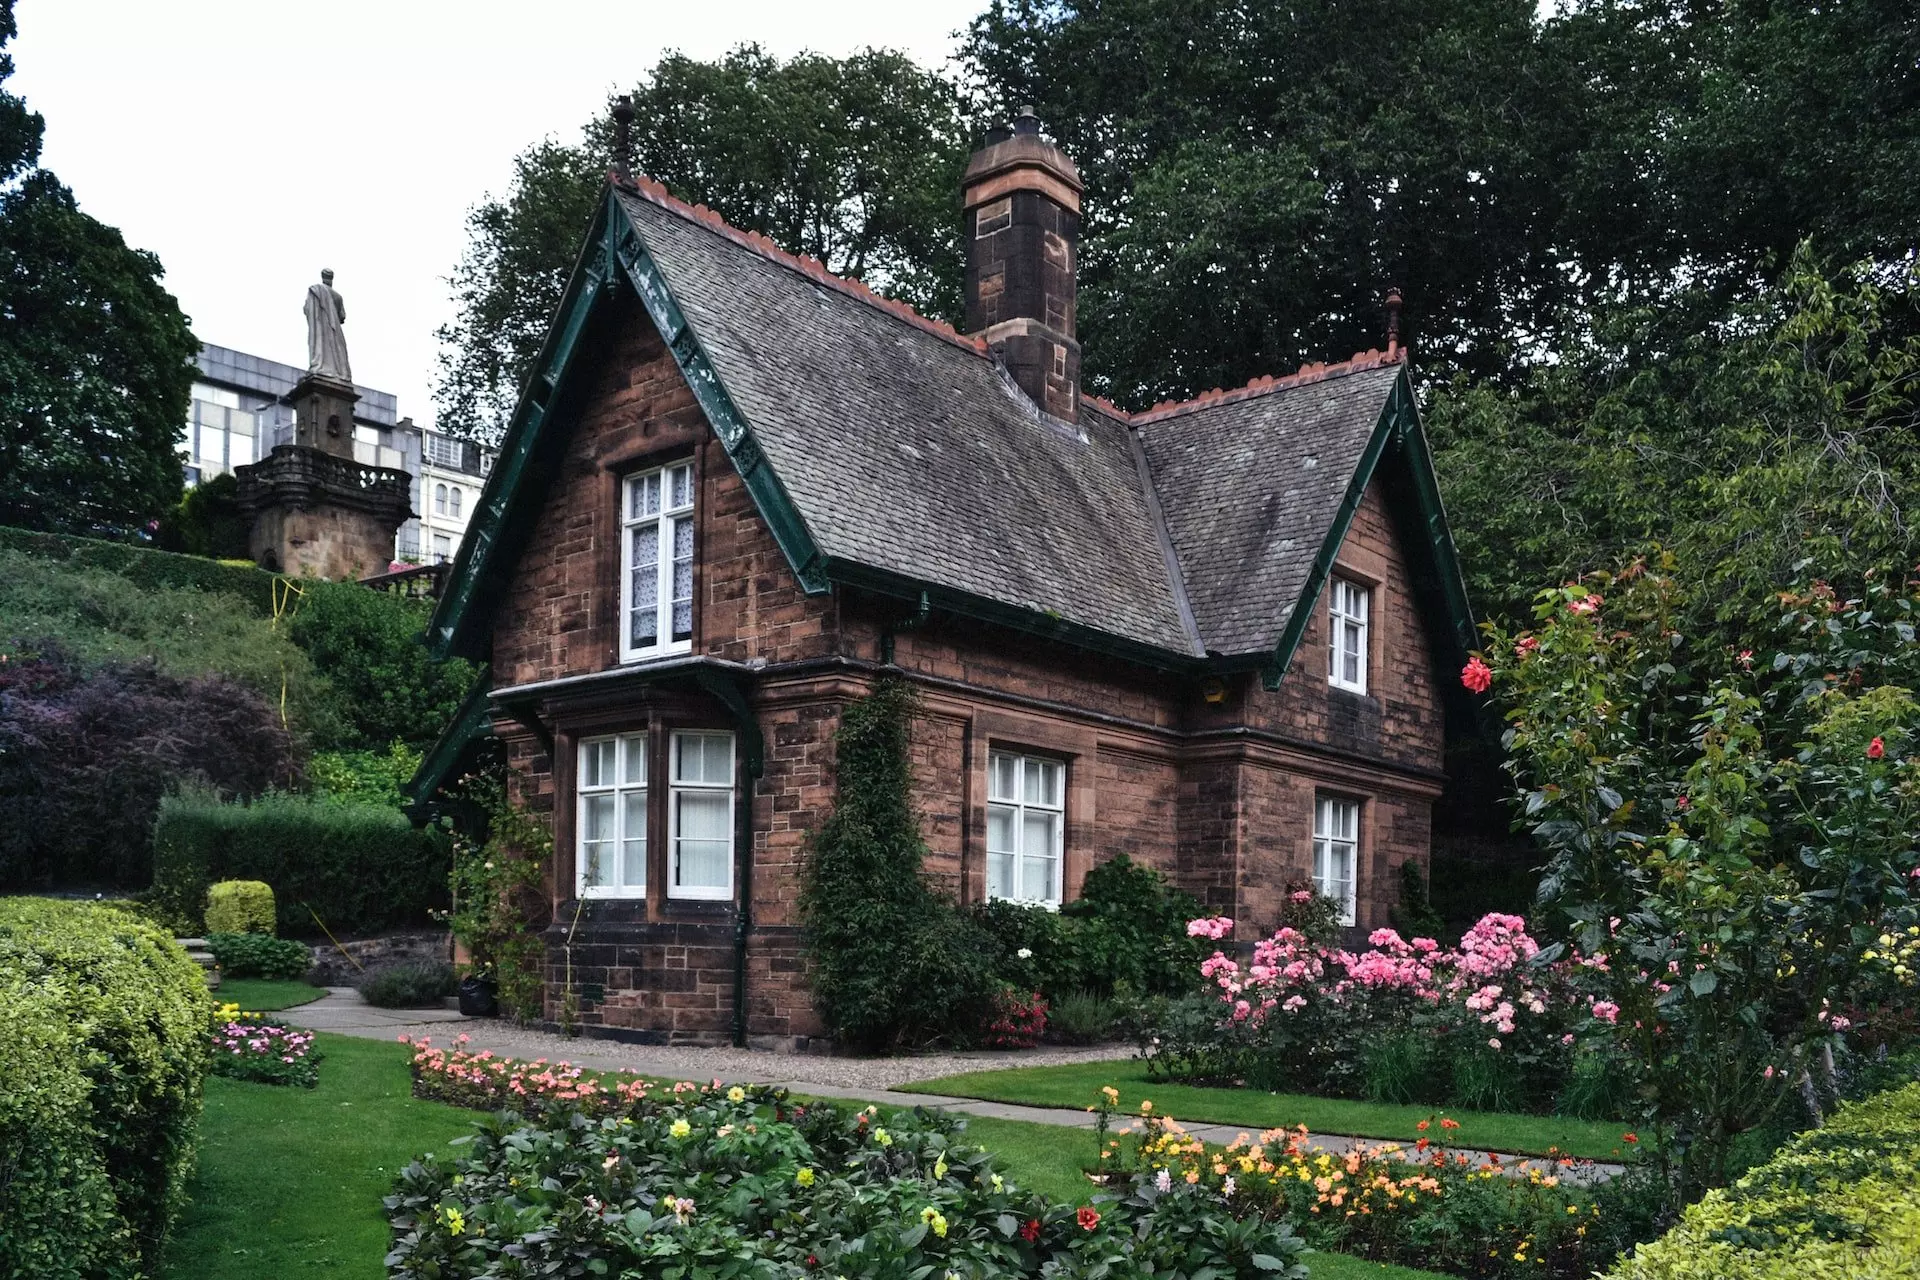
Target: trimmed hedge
1837,1203
359,868
259,955
146,567
240,906
103,1042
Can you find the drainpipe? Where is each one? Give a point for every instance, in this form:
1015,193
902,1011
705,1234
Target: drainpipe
751,764
913,623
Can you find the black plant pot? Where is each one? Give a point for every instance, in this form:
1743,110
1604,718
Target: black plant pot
477,998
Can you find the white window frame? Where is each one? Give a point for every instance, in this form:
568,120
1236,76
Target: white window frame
1349,608
1336,830
455,500
1018,807
439,499
629,749
668,517
676,788
443,557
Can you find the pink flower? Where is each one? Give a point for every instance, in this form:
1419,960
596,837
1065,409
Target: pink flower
1526,645
1476,675
1306,895
1876,749
1493,1042
1587,604
1606,1010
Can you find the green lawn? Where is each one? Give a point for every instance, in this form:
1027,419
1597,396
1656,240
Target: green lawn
1077,1084
264,995
290,1180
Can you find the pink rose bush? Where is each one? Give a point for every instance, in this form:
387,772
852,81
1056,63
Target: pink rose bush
1297,1014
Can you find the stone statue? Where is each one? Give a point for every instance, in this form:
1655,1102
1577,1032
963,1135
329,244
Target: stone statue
326,341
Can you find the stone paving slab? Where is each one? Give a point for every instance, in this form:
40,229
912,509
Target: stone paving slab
342,1012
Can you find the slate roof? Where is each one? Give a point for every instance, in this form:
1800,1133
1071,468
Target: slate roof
914,462
1250,487
912,452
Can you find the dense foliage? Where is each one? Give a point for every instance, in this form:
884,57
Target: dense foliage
381,686
713,1181
258,955
1731,832
96,359
347,868
408,984
855,161
1841,1201
894,962
87,753
104,1045
365,777
498,882
240,906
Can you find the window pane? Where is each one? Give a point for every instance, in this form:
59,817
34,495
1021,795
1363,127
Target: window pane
633,844
644,555
596,764
1036,880
643,496
682,579
645,630
596,840
1043,782
682,486
453,502
1002,769
634,748
702,843
1038,832
1000,828
704,758
1000,875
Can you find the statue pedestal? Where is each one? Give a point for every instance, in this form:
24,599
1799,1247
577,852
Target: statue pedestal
316,513
323,414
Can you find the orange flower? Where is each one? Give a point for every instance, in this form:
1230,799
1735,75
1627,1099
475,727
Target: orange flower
1449,1124
1087,1218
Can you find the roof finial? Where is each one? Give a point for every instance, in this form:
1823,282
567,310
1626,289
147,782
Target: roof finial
623,137
1393,323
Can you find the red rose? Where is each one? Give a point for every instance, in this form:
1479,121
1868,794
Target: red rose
1476,675
1031,1231
1876,749
1087,1218
1629,1137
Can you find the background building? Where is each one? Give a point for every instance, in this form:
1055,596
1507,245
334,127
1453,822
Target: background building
241,411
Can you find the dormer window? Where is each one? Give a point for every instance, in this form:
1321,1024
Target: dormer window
1347,609
656,531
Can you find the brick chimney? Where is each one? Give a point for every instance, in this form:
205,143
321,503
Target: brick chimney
1022,198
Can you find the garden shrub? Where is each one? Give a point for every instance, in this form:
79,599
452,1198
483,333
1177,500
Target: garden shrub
382,687
499,898
133,1008
143,567
894,962
259,955
1081,1017
742,1182
1128,930
365,777
1840,1202
1399,1066
87,753
1015,1020
240,906
409,984
357,868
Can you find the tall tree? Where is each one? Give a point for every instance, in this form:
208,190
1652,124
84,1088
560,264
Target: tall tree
855,161
95,356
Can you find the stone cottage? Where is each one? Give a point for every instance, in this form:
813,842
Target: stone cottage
1218,636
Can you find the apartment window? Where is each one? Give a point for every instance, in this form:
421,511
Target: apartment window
1026,821
443,451
1347,635
700,816
657,586
442,548
1336,851
453,500
611,857
439,499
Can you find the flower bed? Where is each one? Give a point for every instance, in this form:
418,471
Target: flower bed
486,1081
1419,1205
711,1181
252,1046
1484,1025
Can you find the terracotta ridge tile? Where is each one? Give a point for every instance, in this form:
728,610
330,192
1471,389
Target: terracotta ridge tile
1360,363
812,268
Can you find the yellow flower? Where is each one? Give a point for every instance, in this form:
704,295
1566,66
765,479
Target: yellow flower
455,1222
680,1129
999,1183
882,1138
1113,1094
804,1177
736,1095
940,1167
931,1216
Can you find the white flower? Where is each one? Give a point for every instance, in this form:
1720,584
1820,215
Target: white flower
1226,1188
1025,953
1163,1181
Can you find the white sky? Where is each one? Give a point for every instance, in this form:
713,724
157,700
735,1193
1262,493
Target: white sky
250,142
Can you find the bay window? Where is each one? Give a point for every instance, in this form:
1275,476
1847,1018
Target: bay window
611,855
700,816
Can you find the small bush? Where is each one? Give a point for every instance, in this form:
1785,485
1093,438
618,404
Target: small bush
1598,1087
1837,1203
365,777
1081,1017
411,984
240,906
1128,930
1398,1066
358,868
259,955
1016,1020
104,1047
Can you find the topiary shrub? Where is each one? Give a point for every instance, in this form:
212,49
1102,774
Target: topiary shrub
894,962
358,868
123,1012
1837,1203
410,984
259,955
240,906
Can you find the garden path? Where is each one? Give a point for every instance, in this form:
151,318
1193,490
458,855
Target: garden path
342,1012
